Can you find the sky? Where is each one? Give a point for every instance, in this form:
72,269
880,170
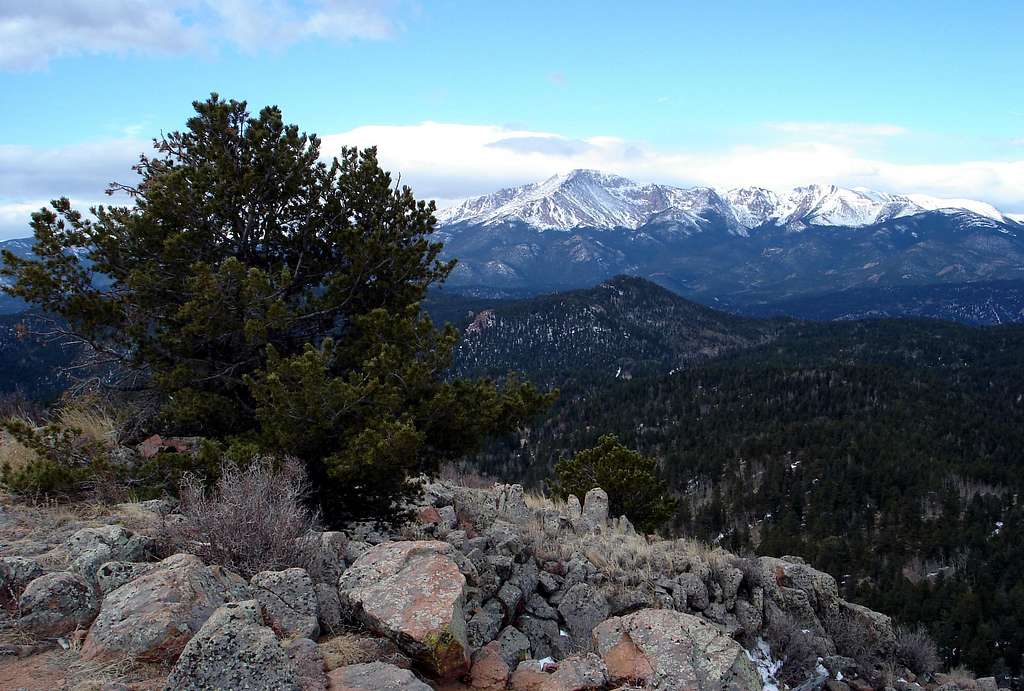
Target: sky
463,98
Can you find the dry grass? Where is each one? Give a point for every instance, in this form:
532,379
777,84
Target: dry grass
14,454
94,675
625,558
961,676
537,499
93,421
462,476
343,649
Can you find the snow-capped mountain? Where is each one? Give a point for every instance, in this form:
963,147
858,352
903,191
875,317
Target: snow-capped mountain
591,199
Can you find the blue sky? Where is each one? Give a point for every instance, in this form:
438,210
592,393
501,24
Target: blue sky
463,97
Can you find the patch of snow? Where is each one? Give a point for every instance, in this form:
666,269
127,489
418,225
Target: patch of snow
767,666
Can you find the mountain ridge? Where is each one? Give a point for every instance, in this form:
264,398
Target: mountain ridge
586,198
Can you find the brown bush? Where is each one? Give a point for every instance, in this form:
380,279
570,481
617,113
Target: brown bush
916,650
254,519
791,644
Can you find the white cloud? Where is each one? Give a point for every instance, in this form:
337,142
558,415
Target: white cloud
33,32
838,130
450,161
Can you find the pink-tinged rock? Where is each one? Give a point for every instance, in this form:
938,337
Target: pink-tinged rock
575,673
490,672
413,593
428,515
671,650
152,617
157,444
56,603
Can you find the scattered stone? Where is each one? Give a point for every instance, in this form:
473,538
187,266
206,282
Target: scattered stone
234,649
374,676
151,618
595,510
289,601
329,606
308,662
57,603
576,673
672,650
546,639
413,593
583,608
514,646
485,624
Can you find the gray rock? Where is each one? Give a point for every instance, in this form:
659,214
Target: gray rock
234,649
448,518
355,549
690,592
505,538
329,607
57,603
289,601
514,646
113,574
511,503
595,510
539,607
375,676
526,576
583,608
574,508
545,637
511,599
15,574
89,548
548,583
484,626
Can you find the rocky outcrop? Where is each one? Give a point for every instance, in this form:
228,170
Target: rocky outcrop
672,650
153,617
56,603
235,649
413,593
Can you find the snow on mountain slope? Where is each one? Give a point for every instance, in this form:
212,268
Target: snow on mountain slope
591,199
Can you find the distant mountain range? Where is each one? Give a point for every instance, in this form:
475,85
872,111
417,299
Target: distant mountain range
748,246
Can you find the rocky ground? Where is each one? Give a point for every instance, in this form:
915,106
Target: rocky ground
487,589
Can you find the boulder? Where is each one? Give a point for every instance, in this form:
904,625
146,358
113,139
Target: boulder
511,503
289,601
15,574
672,650
413,593
583,608
89,548
234,649
485,624
595,510
151,618
57,603
374,676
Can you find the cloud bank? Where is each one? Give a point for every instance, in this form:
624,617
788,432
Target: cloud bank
33,32
452,161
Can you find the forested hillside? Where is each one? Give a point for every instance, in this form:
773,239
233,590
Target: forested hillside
888,453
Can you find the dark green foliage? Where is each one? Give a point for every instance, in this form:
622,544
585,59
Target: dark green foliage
63,462
260,291
633,482
872,449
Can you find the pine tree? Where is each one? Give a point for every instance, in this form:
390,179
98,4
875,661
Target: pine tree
263,294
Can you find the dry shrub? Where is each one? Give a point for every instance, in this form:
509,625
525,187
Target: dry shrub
795,647
916,650
960,676
253,519
461,476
